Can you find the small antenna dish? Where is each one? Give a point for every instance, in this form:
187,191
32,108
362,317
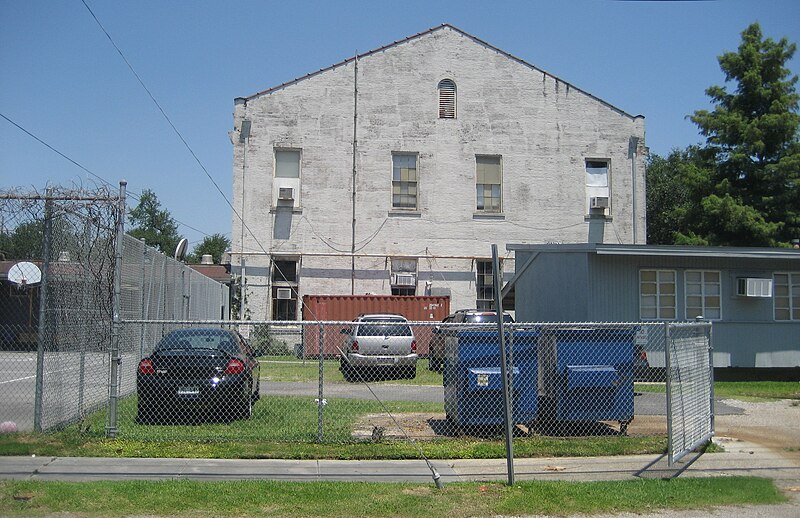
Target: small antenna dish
180,250
24,274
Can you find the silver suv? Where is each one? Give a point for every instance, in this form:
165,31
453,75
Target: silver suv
378,345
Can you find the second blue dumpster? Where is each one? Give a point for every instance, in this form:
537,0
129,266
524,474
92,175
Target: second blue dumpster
473,384
586,374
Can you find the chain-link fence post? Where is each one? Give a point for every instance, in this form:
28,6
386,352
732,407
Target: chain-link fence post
320,396
504,371
42,332
116,359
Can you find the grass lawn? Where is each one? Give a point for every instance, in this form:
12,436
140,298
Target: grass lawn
339,499
740,389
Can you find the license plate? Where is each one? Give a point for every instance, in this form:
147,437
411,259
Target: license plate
188,391
386,361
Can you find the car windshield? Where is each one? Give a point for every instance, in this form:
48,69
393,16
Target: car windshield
198,340
383,328
488,318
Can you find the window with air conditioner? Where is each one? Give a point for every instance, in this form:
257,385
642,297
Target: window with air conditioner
403,276
286,181
284,288
597,190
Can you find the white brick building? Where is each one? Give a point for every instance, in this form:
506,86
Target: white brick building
396,170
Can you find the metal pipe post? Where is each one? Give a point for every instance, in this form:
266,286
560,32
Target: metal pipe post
504,370
42,334
115,358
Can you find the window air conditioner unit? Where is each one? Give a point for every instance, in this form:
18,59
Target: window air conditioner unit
751,287
284,293
598,202
286,194
404,279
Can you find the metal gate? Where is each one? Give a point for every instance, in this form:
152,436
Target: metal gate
690,387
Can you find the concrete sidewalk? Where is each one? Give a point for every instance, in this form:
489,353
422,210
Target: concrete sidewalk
740,458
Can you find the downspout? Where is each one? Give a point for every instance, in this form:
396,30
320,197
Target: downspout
355,150
633,145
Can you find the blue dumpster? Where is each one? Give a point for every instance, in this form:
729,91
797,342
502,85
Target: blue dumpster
473,384
586,374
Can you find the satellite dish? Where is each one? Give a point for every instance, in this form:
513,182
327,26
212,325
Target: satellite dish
24,274
180,250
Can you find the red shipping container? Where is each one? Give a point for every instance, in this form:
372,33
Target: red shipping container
347,307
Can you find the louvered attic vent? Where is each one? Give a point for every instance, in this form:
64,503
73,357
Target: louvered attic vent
447,99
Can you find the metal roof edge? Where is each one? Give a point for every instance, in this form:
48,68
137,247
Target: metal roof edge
430,31
663,250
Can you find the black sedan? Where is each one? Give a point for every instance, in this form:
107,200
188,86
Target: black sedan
196,373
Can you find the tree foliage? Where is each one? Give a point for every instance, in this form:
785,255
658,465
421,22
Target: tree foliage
153,224
215,245
742,187
24,243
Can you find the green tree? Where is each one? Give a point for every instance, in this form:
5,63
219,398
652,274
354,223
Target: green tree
215,244
669,194
153,224
24,243
750,194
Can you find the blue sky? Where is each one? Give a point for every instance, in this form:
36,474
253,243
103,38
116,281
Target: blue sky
63,81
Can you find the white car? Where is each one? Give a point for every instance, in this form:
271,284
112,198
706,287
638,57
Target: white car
378,346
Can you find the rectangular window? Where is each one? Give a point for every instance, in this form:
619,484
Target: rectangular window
284,271
657,295
703,294
484,285
597,191
284,289
489,183
287,164
404,181
787,296
284,303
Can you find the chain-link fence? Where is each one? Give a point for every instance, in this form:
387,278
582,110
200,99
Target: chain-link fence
690,388
63,354
57,301
372,378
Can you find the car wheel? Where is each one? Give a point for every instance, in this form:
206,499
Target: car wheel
257,392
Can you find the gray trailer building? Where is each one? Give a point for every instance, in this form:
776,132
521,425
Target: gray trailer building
751,294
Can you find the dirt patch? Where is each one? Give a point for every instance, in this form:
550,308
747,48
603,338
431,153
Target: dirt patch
772,424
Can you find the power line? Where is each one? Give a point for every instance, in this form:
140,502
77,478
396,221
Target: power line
84,168
174,128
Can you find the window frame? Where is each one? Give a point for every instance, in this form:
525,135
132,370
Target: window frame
399,183
658,295
298,152
792,281
704,295
482,288
481,195
593,191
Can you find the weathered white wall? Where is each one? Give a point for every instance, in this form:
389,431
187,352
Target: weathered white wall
543,129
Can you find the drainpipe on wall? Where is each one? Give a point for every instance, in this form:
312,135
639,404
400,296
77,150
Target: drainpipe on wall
633,145
355,150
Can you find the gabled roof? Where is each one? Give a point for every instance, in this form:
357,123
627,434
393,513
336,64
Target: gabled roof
425,33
